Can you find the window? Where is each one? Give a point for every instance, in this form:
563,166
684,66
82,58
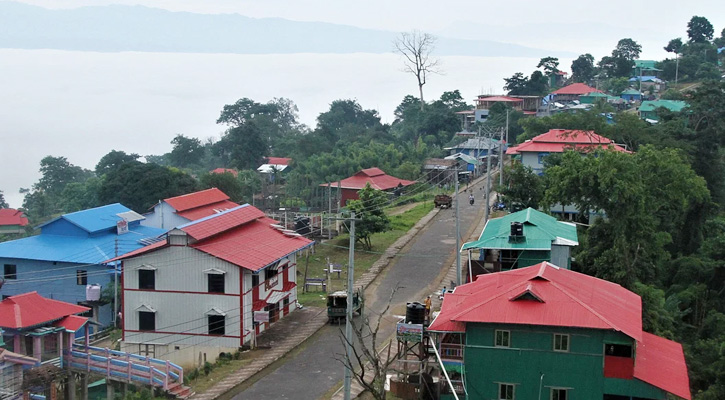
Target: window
503,339
216,283
216,325
561,342
146,321
506,391
11,271
559,394
618,350
81,277
542,156
147,279
255,280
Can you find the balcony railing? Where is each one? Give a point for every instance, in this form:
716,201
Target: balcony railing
451,351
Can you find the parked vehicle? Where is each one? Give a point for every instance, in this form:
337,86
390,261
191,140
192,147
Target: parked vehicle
443,200
337,305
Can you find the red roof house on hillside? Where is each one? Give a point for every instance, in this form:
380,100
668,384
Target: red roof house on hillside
573,92
218,271
12,221
225,171
375,176
558,141
48,322
561,329
180,210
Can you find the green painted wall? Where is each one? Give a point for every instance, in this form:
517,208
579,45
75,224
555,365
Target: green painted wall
531,353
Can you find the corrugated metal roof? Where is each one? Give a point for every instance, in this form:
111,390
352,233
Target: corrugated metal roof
576,88
672,105
375,176
540,231
560,140
252,245
207,210
94,219
278,160
661,363
569,299
78,249
11,216
72,323
196,199
217,223
31,309
224,171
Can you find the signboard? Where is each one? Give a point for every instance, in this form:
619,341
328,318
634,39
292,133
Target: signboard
410,332
261,316
122,227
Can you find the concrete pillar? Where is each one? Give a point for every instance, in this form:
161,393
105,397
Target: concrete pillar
17,345
37,347
84,386
70,387
124,387
109,389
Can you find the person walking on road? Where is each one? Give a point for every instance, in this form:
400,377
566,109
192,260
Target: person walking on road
428,303
471,199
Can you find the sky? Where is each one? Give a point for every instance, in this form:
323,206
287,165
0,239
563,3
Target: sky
578,23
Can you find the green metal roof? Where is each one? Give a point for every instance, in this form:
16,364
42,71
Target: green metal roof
646,64
540,232
672,105
631,91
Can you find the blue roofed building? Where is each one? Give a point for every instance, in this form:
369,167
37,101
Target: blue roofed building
63,262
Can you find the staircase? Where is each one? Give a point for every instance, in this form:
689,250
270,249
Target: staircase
128,367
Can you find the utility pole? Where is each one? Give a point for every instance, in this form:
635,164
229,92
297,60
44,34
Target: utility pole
500,150
115,283
488,178
458,237
348,319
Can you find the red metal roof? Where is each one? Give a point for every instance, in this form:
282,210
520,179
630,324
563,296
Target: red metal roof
568,299
560,140
576,88
71,323
11,216
661,363
31,309
207,210
278,160
196,199
221,222
252,245
377,178
225,171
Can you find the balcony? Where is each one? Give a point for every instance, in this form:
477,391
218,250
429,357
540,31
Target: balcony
452,351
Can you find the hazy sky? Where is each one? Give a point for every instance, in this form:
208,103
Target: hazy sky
646,22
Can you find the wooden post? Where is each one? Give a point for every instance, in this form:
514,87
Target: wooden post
84,386
70,387
109,389
37,353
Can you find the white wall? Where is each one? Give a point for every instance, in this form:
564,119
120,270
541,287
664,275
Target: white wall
163,216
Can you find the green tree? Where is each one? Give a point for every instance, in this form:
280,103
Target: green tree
251,184
582,69
3,203
522,186
516,84
78,196
139,186
538,84
550,65
674,46
623,56
113,160
699,30
57,172
186,151
226,182
369,209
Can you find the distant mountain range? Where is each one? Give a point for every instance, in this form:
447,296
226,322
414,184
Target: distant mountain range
118,28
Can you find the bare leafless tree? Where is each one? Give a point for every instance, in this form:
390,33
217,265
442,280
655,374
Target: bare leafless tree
416,48
369,365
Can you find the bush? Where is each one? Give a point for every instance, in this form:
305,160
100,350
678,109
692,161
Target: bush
208,367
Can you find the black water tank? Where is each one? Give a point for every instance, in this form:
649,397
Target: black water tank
302,225
415,313
517,229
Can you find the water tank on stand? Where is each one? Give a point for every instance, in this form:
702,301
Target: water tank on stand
517,229
415,313
93,292
302,225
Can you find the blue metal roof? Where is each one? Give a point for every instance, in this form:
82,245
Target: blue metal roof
94,219
79,249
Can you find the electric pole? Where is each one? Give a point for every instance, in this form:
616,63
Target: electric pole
488,178
500,150
458,238
348,323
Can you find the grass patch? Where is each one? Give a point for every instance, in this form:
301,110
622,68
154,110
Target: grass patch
336,250
201,380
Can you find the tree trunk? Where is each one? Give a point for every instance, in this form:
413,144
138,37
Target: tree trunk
422,102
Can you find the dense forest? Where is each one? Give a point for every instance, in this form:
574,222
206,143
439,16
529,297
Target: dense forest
664,232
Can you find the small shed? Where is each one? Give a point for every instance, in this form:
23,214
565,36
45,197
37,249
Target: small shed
631,95
376,177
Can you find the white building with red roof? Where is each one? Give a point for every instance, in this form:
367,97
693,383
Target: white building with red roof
194,294
534,151
573,92
179,210
376,177
552,330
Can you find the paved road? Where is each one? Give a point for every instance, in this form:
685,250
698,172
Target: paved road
315,370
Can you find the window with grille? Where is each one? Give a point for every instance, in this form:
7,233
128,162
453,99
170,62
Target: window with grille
503,338
559,394
506,391
10,271
561,342
81,277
